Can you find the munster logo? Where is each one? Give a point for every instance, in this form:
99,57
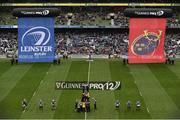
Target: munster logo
146,43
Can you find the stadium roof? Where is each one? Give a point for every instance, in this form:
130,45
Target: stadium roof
89,4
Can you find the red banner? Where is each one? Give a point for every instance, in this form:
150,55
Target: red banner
146,40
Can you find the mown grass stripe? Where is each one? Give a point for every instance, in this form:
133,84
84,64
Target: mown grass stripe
160,105
175,68
4,66
46,91
169,81
11,105
105,99
10,78
78,72
129,91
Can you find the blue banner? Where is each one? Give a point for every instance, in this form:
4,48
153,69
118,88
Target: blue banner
36,39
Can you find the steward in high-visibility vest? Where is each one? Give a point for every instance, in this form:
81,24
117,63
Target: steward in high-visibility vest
83,106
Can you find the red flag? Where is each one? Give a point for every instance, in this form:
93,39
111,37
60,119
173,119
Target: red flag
146,40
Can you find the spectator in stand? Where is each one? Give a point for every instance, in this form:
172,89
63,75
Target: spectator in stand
81,42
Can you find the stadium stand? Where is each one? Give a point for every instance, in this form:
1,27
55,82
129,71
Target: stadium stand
93,1
172,43
97,16
8,43
78,42
87,16
98,41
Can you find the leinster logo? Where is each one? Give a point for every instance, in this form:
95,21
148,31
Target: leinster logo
36,36
146,43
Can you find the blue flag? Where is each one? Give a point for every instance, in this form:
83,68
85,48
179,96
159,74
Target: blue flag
36,39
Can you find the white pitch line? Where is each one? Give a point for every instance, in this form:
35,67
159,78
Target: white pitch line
41,82
140,94
89,67
23,111
89,71
148,110
34,93
85,116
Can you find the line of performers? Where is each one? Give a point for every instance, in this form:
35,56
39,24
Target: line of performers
14,61
170,58
83,105
57,61
128,104
125,61
41,104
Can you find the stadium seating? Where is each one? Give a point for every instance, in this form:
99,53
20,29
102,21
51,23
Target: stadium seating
8,42
82,42
96,16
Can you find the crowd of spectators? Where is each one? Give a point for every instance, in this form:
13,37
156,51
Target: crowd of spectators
84,42
8,42
172,43
7,19
89,16
96,42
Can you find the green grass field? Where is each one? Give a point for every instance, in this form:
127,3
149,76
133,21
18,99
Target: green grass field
157,86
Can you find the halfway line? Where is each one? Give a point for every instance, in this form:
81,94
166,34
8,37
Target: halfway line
89,71
89,67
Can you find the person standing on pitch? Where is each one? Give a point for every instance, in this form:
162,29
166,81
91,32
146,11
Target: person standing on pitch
83,106
117,104
12,61
24,104
41,104
76,105
88,106
138,105
128,104
95,106
53,104
79,107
